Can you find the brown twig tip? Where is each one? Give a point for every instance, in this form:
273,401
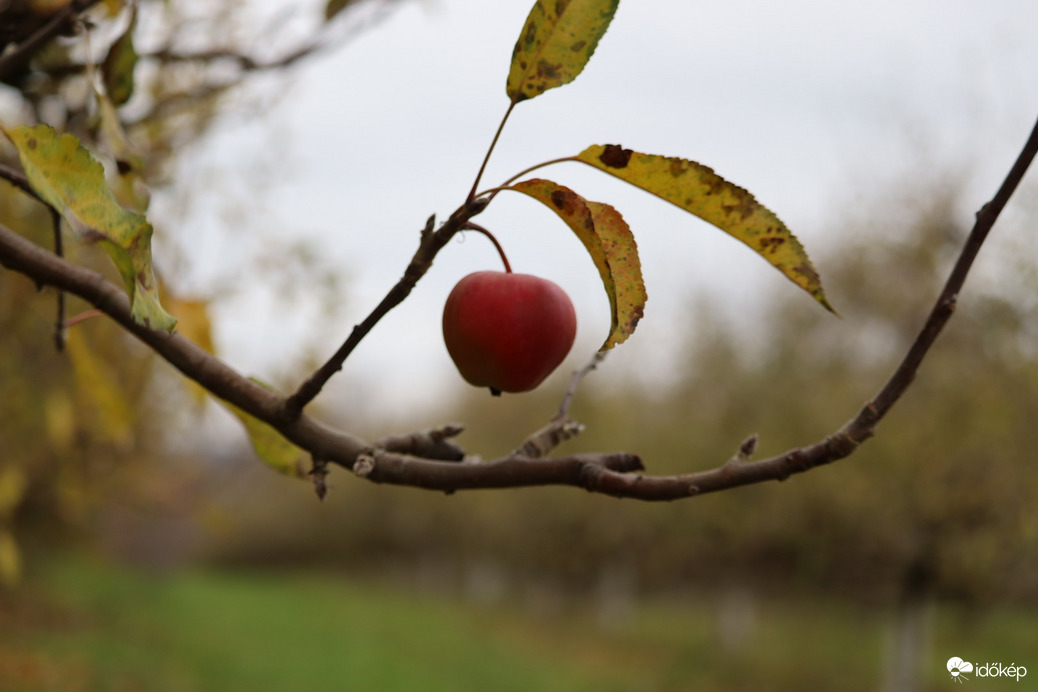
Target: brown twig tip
540,443
574,383
364,465
433,444
319,475
745,451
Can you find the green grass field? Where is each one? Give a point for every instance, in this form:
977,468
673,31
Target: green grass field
85,626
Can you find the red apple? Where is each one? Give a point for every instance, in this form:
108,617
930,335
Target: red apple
508,331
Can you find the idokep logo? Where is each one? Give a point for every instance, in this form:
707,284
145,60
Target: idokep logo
958,668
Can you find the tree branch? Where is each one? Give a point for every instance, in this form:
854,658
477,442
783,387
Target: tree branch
610,473
18,58
561,427
430,245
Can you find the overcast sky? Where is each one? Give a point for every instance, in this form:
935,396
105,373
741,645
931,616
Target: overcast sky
795,100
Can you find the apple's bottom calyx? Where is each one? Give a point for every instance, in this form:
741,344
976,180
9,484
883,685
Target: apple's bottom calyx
508,331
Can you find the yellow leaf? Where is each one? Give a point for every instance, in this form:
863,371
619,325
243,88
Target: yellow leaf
192,320
111,413
10,560
268,444
609,241
557,40
698,190
193,323
65,174
13,484
626,269
60,418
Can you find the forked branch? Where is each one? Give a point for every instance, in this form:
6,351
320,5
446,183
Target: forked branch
608,473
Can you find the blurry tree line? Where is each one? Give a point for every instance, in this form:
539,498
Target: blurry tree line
941,502
88,417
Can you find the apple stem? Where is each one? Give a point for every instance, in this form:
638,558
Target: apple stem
470,226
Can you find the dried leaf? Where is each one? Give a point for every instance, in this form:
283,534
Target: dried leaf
557,40
626,269
698,190
609,241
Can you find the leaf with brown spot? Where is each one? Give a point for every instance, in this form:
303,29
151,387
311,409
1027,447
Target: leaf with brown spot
609,241
68,178
626,269
556,42
699,191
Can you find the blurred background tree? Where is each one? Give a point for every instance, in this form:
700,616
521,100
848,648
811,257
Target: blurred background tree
938,507
79,423
914,512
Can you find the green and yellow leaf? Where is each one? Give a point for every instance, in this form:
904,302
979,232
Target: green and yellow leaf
67,176
120,63
698,190
609,241
557,41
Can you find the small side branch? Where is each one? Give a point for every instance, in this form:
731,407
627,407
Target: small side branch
561,427
617,474
430,245
434,444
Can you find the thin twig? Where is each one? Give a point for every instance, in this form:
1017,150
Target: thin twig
561,427
945,305
576,379
430,245
59,250
18,179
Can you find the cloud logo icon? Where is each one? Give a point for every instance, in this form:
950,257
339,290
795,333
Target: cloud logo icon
956,666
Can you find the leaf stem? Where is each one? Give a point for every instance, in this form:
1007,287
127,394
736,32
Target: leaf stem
470,226
490,150
494,190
